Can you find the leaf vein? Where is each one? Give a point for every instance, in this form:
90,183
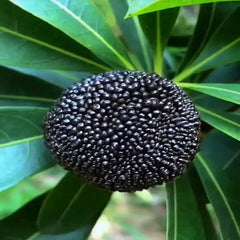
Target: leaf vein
218,187
64,52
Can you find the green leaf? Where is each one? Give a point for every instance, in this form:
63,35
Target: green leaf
20,124
105,8
227,92
158,26
221,75
138,7
202,201
221,187
223,48
133,34
83,23
183,212
172,60
72,207
21,144
22,224
20,161
32,43
228,123
200,36
12,199
210,15
18,86
61,79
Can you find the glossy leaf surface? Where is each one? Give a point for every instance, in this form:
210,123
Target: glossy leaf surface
81,21
138,7
35,44
21,161
20,124
227,92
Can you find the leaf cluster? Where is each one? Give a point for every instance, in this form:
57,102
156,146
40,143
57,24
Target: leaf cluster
47,45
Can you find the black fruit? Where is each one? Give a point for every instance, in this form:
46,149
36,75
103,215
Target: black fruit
124,130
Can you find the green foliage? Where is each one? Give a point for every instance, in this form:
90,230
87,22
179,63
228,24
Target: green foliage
183,212
60,214
47,45
141,6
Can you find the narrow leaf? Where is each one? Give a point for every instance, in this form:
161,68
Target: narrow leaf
32,43
73,206
223,48
210,17
227,92
202,201
183,212
22,224
138,7
206,15
228,123
158,26
62,79
81,21
133,34
220,187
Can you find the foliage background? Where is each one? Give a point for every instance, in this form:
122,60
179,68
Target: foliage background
47,45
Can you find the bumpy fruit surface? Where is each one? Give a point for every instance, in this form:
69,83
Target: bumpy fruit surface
124,130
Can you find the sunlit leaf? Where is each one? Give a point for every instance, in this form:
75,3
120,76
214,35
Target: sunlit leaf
138,7
31,43
81,21
227,92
